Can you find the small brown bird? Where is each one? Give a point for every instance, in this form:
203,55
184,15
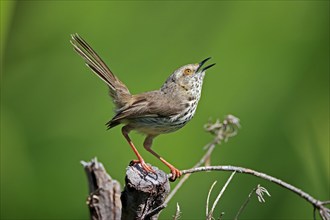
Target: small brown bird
151,113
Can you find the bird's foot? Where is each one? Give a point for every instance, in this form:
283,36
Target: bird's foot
175,173
143,164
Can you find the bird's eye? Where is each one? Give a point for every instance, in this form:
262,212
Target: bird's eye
187,71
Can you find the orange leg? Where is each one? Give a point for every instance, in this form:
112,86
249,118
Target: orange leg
147,145
125,130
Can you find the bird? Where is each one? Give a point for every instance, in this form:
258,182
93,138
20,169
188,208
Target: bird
151,113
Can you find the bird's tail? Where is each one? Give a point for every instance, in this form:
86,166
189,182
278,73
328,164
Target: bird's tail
118,90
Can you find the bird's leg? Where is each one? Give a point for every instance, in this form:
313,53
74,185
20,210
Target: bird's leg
125,130
147,145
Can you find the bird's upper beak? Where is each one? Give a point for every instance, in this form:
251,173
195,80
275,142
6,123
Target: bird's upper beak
202,63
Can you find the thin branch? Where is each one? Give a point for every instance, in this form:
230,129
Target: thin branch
245,203
208,198
156,210
177,212
323,211
209,216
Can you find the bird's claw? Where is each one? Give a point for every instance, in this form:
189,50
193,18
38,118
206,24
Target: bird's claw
175,174
143,164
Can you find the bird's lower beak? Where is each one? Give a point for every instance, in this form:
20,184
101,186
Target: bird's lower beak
202,63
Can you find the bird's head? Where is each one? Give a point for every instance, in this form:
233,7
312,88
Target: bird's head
188,77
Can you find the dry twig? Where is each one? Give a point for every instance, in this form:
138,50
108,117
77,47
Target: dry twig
319,205
210,214
208,198
177,212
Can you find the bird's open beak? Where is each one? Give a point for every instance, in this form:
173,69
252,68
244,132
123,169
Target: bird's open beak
202,63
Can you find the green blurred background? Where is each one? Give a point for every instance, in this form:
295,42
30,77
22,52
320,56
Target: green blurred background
272,72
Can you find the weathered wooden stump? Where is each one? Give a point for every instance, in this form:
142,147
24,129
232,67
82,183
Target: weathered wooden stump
142,194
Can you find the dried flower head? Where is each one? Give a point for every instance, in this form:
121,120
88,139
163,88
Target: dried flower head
260,193
223,130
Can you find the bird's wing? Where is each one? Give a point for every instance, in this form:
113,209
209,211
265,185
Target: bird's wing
146,105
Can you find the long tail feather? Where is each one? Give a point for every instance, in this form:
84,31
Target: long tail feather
118,90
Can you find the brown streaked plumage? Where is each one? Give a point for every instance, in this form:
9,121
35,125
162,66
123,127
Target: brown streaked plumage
151,113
